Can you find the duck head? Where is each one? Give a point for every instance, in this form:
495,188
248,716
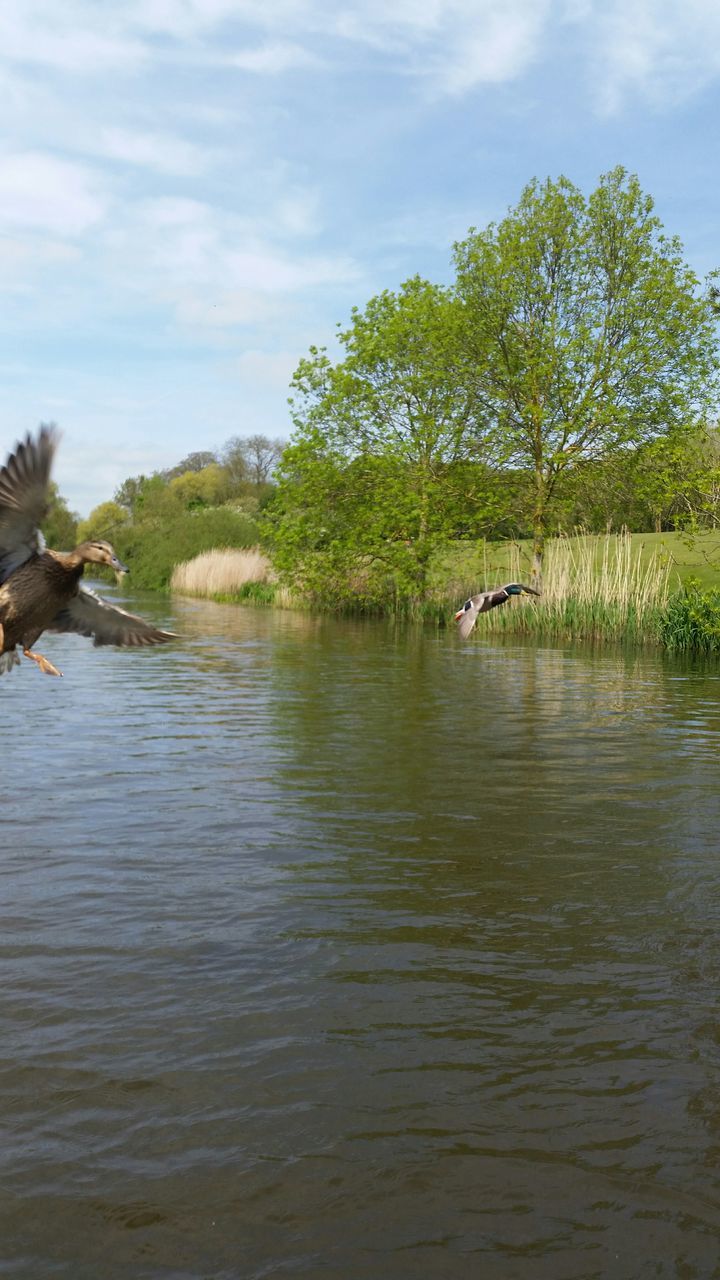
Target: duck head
96,551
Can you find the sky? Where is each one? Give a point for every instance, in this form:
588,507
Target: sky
193,192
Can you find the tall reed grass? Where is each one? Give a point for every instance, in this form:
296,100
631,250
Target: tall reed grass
594,588
233,574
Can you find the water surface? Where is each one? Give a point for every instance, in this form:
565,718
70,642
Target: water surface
339,951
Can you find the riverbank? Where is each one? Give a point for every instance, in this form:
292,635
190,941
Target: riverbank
639,589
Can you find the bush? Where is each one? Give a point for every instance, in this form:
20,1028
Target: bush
691,621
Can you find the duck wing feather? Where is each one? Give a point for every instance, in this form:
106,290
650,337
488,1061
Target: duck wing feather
24,486
87,614
467,616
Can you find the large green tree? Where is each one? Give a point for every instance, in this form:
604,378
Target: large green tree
383,464
588,331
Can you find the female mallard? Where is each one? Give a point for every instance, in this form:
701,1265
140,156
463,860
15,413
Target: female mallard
467,616
40,590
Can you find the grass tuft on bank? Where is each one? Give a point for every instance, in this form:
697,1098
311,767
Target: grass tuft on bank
234,576
221,572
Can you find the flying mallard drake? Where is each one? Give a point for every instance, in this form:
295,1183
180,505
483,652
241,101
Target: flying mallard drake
467,616
40,589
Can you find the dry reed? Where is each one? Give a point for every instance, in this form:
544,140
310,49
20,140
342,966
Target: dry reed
593,587
221,572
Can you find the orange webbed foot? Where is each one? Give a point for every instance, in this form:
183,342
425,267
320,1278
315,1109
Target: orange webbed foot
44,663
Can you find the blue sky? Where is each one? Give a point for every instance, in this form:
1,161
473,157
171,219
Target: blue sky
194,191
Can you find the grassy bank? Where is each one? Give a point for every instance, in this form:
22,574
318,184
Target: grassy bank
626,588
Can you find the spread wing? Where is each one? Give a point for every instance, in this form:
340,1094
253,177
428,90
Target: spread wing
24,482
88,615
467,617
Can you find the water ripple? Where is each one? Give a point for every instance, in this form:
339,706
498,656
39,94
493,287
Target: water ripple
338,951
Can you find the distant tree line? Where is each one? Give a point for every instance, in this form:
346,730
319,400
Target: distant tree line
208,499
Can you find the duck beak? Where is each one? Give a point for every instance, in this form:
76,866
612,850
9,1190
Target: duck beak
530,591
459,614
118,565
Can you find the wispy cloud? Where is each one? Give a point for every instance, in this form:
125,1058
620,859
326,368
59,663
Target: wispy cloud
162,152
655,50
42,192
455,45
268,368
211,265
273,59
214,183
68,38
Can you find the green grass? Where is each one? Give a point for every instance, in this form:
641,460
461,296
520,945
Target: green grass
261,593
493,563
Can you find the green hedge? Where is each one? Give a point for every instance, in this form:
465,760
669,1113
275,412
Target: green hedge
151,549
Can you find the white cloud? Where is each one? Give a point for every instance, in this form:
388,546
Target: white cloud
500,49
232,308
42,192
68,37
297,212
161,152
273,59
23,259
262,267
212,266
187,18
455,45
654,49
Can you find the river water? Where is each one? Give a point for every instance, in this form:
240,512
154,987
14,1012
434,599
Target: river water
333,950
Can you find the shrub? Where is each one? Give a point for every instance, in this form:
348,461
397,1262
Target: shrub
691,621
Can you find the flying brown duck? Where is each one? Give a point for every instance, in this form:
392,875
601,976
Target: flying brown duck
468,615
40,589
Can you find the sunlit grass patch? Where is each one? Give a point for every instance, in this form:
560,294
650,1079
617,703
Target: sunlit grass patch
692,558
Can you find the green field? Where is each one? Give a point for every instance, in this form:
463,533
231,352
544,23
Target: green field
478,566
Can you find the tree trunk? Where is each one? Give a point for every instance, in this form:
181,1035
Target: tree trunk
538,532
537,560
422,546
